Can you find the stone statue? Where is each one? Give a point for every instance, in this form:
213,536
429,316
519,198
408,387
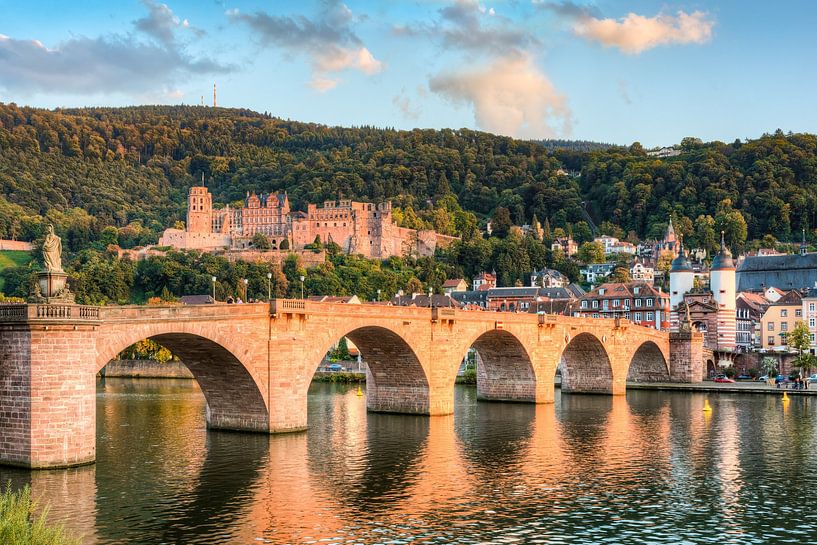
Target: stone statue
52,251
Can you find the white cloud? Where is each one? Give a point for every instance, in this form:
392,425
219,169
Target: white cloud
403,103
327,40
635,33
511,96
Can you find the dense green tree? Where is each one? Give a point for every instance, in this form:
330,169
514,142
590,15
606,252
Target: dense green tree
261,241
591,252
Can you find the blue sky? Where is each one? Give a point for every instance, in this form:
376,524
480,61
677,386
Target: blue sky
609,71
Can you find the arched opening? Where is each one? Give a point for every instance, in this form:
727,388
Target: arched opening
711,370
648,365
504,371
233,399
395,380
585,366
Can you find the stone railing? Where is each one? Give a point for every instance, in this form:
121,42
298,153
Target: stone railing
287,306
38,312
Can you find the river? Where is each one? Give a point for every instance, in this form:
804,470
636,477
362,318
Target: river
651,467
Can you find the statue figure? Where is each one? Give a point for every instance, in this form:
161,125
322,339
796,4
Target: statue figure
52,251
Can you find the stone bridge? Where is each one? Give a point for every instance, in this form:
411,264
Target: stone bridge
254,362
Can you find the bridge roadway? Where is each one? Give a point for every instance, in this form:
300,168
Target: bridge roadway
254,362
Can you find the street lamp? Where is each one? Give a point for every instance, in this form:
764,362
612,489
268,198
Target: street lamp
378,294
245,290
302,286
269,286
430,297
213,278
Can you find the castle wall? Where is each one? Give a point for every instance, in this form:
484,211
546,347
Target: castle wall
194,241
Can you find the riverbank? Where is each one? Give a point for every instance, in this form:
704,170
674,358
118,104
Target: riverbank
145,369
720,387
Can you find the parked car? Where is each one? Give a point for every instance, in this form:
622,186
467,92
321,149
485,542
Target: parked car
781,379
744,376
813,378
335,367
764,378
723,378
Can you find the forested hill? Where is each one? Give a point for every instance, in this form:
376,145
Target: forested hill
123,165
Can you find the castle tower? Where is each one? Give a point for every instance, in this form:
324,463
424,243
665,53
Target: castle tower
722,283
681,280
199,210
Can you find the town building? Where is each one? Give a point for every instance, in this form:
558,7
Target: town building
594,273
522,299
773,294
548,278
566,244
749,309
639,272
636,301
484,281
779,319
613,246
663,153
357,227
454,285
787,272
810,316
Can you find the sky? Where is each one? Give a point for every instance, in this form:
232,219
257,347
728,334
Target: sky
608,71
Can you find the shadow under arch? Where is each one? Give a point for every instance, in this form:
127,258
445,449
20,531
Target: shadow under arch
648,364
395,378
586,367
504,368
234,401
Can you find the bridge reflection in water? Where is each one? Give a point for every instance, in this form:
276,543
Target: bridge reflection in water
648,466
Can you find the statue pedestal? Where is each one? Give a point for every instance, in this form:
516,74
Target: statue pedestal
52,288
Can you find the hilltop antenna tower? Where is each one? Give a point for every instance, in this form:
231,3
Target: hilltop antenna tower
214,94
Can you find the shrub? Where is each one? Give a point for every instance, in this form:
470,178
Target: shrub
19,527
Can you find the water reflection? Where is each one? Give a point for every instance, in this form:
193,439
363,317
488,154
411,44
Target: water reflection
648,467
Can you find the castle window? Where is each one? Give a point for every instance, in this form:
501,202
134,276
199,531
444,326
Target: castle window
784,313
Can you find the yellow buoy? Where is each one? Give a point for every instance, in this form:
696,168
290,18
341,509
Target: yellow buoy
359,391
786,397
707,408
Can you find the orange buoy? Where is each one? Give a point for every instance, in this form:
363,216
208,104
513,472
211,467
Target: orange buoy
786,397
359,391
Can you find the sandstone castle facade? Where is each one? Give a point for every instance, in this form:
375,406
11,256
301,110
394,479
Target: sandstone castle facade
357,227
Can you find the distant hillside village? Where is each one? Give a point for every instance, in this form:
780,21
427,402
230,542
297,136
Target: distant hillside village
356,227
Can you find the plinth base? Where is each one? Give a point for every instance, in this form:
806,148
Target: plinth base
52,288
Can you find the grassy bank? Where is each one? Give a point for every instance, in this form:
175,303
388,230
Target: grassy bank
19,527
468,377
12,258
339,376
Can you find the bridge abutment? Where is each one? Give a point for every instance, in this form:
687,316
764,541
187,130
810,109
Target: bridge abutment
686,356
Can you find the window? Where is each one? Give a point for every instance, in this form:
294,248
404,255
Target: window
784,326
650,316
627,315
811,336
637,317
616,303
638,303
649,302
595,303
584,304
636,290
770,340
605,304
595,315
811,323
784,312
770,326
601,291
811,307
798,313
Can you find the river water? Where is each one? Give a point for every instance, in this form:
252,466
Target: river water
650,467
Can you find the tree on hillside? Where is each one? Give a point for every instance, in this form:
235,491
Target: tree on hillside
620,274
260,241
591,252
501,222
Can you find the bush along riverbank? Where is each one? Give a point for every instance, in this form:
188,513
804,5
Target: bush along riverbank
468,377
19,527
339,376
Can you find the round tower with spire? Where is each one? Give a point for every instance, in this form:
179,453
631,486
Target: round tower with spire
681,278
722,283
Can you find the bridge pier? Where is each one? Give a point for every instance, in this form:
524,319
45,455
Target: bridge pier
47,385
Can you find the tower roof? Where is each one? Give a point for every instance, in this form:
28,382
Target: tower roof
681,263
724,258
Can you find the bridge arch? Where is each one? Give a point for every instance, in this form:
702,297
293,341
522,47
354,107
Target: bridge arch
396,380
586,366
234,399
505,370
648,364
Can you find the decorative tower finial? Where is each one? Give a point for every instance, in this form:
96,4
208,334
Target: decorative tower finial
803,246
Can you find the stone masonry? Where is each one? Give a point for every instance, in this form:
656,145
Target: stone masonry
254,362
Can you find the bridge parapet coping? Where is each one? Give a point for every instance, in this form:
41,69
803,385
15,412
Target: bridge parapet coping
14,313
